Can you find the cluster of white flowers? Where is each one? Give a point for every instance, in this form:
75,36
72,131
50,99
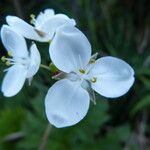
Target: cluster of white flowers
67,101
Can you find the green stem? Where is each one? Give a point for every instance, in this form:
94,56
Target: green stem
45,67
45,137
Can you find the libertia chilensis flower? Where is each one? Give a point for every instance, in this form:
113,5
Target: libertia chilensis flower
67,101
44,25
23,64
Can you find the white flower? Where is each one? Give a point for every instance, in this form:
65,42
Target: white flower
45,25
67,101
24,64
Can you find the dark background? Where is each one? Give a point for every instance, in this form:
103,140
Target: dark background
120,28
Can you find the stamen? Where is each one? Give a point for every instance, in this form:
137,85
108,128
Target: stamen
80,61
82,71
92,61
12,61
8,63
3,59
93,80
94,56
9,53
32,21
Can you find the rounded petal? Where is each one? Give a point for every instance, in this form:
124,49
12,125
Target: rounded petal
51,24
44,16
14,80
114,77
13,42
26,30
49,12
70,50
66,103
35,61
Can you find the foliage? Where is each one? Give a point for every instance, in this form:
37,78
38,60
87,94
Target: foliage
117,28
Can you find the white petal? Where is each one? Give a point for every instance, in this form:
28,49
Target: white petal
70,50
14,80
49,12
35,61
114,77
44,16
51,24
25,29
13,42
66,103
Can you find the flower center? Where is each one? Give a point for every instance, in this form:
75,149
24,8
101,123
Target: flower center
10,60
83,75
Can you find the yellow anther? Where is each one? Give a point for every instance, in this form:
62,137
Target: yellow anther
94,79
82,71
9,53
7,63
92,61
3,58
32,16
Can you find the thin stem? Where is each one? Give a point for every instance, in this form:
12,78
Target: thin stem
45,67
45,137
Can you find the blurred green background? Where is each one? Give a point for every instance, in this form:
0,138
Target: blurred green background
120,28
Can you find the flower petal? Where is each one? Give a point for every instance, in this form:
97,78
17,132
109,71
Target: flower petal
26,30
66,103
14,80
13,42
49,12
114,77
70,50
51,24
44,16
35,61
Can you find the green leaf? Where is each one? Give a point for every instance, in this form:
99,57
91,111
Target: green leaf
11,121
34,125
143,103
